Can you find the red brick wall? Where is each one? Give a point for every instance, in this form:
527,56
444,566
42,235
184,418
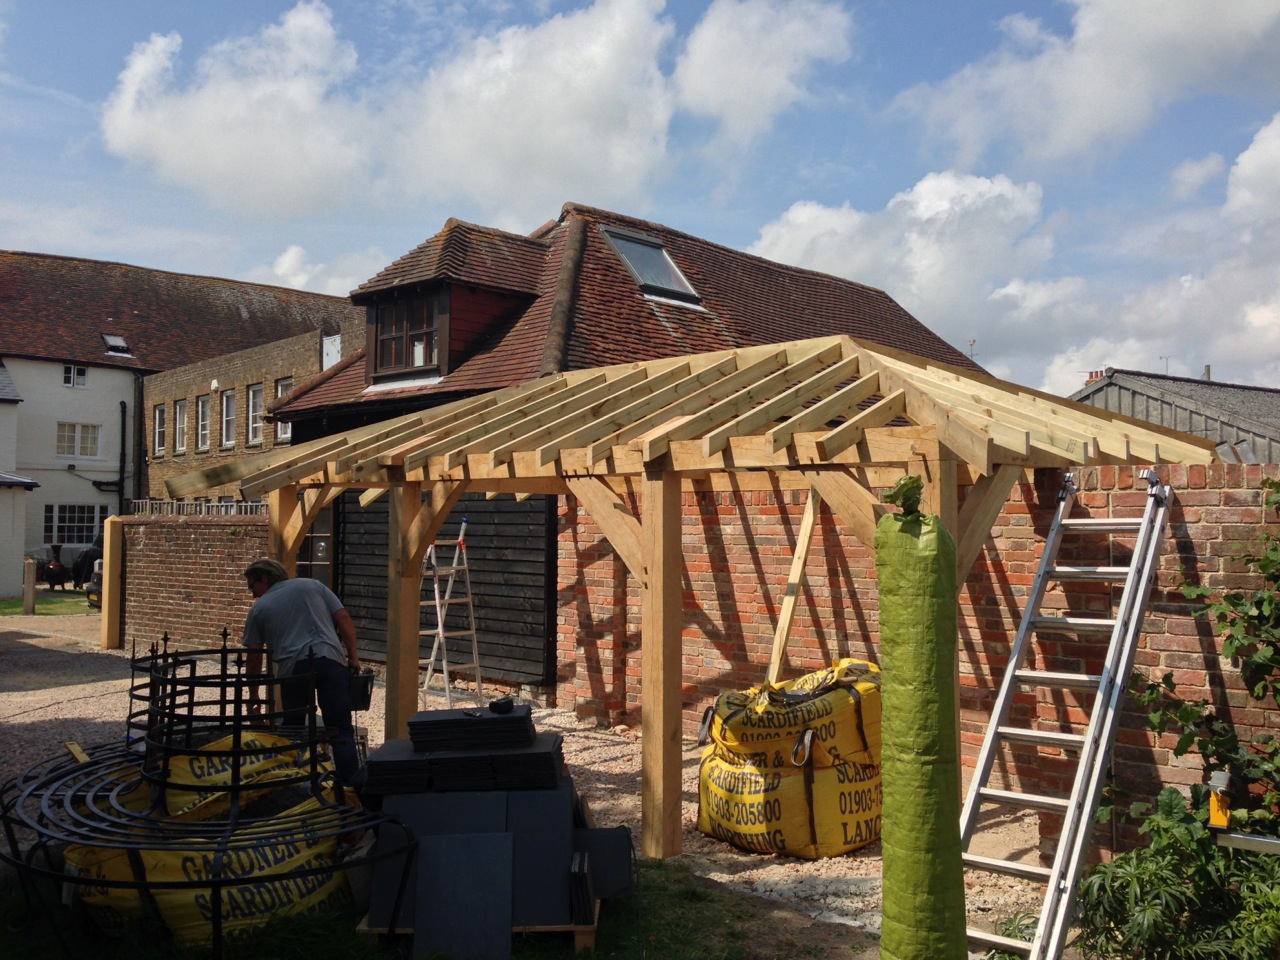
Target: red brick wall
738,553
183,577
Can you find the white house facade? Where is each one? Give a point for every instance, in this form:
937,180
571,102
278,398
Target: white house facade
77,338
15,489
74,439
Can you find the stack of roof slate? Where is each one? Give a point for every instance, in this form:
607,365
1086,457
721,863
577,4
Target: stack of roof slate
451,750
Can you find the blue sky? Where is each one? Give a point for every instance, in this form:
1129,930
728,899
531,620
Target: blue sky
1068,185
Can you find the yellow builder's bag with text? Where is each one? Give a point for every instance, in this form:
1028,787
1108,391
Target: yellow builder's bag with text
794,768
287,866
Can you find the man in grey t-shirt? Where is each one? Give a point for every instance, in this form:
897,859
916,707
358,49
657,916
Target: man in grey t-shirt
312,640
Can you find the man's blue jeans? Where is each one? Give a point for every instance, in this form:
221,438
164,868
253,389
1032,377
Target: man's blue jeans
333,694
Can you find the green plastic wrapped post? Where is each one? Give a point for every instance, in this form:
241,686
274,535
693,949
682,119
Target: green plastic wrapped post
923,876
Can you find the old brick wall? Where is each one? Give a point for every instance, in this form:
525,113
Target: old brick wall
738,553
183,577
296,358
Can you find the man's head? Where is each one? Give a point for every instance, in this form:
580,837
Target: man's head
262,575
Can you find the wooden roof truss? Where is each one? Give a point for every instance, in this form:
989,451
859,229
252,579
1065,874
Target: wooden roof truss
833,416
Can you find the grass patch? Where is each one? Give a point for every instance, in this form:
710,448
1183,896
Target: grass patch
673,915
49,603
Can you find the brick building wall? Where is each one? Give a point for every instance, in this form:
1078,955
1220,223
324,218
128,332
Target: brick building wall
292,360
738,554
183,577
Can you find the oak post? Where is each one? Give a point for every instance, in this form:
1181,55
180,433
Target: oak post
404,587
660,671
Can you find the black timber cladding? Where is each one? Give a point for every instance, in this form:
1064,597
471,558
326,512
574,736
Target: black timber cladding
511,555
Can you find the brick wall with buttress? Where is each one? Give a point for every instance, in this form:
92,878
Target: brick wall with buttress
183,577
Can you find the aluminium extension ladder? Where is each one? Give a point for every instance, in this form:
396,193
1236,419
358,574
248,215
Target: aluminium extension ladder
1093,746
451,588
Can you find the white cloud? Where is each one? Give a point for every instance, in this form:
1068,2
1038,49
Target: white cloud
508,121
941,248
1253,186
1125,61
574,108
262,126
293,268
971,257
91,229
747,60
1189,177
1068,371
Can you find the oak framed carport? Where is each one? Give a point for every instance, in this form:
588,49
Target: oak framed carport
833,416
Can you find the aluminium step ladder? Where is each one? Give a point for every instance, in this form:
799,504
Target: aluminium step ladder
455,617
1093,746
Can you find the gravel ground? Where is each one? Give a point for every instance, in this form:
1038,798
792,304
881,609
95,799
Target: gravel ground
59,686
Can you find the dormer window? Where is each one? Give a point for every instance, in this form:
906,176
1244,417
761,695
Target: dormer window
651,265
116,345
407,333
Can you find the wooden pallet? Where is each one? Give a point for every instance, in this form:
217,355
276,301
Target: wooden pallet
584,935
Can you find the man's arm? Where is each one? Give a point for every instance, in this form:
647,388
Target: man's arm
347,634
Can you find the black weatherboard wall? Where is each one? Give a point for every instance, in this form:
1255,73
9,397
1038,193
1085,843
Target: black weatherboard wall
511,555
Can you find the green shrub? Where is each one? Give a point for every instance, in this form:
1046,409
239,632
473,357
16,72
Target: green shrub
1183,897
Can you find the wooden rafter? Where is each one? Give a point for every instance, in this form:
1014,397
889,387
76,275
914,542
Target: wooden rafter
842,404
783,404
734,405
843,437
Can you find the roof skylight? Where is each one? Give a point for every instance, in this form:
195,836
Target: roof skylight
651,265
116,344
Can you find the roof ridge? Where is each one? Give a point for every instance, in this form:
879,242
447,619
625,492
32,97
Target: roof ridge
556,344
169,273
1196,380
454,222
571,208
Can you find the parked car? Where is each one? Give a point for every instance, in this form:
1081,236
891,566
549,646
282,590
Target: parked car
94,591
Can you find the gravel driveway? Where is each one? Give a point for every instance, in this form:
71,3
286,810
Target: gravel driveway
59,686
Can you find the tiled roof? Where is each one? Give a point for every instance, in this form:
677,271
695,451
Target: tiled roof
745,301
1237,401
336,384
8,389
58,308
465,253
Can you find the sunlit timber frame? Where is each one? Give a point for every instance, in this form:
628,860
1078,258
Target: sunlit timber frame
835,416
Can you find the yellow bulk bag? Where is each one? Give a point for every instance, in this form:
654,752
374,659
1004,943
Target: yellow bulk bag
840,704
259,890
806,811
207,769
256,858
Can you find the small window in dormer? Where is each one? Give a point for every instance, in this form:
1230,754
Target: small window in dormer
116,344
651,265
